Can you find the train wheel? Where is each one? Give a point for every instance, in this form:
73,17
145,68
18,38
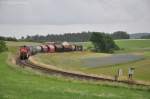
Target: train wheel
24,57
21,57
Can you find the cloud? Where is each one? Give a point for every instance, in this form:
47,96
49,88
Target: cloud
13,2
59,16
73,11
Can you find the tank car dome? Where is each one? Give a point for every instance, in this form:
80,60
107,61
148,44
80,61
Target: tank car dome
65,43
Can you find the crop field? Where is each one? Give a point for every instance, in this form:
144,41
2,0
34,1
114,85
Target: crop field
136,53
20,83
132,45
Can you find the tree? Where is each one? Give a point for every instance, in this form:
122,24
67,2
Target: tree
2,38
8,38
120,35
103,42
145,37
3,46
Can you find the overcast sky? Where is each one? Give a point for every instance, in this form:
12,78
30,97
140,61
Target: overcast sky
22,17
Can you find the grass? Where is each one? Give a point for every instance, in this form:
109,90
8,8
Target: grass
17,83
133,44
141,69
14,43
72,61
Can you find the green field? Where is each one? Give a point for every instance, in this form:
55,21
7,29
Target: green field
72,61
21,83
133,45
10,43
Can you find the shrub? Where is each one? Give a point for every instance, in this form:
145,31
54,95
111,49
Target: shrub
3,46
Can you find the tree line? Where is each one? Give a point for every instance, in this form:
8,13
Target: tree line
73,37
146,37
8,38
70,37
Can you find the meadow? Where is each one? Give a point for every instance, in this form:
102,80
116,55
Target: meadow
75,60
132,45
23,83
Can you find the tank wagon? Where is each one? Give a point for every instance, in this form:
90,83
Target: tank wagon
44,48
51,48
33,50
27,51
67,47
58,47
39,49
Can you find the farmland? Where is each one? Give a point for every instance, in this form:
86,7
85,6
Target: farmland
22,83
134,44
79,61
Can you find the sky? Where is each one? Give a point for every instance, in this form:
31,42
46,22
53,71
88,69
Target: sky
29,17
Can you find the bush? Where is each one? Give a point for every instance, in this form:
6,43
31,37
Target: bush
3,46
103,42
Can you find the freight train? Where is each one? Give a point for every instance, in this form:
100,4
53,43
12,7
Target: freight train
27,51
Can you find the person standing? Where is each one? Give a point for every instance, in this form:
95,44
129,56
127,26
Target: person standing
130,73
120,72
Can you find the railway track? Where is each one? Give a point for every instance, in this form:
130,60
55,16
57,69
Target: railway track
27,63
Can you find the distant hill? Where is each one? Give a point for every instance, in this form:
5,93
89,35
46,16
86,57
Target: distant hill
138,35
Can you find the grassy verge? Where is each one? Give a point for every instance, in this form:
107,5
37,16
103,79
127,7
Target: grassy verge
16,83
